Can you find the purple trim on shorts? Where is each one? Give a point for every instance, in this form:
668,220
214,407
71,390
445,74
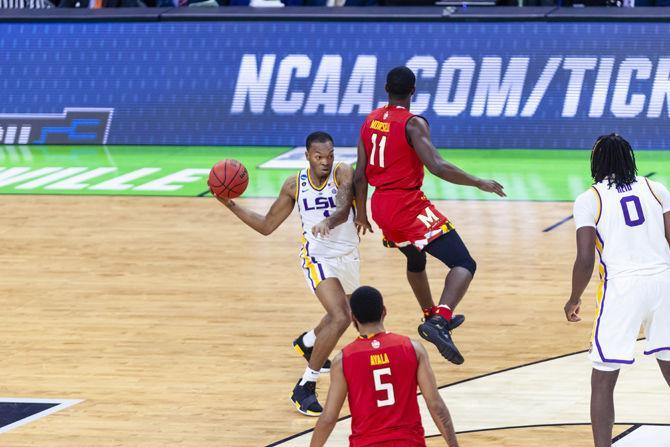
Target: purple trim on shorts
665,348
323,276
602,309
304,266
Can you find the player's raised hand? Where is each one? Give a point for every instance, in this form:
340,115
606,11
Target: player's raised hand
362,224
571,309
492,186
321,229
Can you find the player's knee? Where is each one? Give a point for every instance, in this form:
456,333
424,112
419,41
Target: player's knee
340,320
416,260
468,264
416,264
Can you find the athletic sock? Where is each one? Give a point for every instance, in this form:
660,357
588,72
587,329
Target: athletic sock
309,376
429,311
444,311
309,339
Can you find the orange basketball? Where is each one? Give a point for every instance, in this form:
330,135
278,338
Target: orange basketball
228,178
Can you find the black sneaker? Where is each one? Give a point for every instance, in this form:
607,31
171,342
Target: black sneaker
436,330
306,352
304,399
456,321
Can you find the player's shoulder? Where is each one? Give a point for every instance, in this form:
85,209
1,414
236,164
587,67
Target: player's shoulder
290,185
342,168
654,185
375,113
419,350
590,195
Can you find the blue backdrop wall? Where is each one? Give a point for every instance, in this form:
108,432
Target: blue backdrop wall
480,85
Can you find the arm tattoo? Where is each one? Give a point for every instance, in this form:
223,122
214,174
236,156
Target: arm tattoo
343,201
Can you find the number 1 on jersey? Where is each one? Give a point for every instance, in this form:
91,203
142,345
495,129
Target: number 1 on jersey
379,386
382,146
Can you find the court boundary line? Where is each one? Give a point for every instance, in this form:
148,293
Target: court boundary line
304,432
631,430
62,404
583,351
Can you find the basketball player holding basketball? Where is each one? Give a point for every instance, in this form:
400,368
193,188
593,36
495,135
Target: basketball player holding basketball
379,372
626,218
331,265
393,149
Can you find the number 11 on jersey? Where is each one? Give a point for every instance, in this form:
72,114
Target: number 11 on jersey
382,146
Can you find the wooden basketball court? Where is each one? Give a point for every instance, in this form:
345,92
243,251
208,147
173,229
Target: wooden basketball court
173,321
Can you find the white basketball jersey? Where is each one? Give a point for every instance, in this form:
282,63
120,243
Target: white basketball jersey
629,227
315,203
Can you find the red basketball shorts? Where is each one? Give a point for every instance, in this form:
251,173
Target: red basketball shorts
408,217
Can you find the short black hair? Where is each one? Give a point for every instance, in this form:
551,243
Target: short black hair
318,137
399,82
367,304
612,158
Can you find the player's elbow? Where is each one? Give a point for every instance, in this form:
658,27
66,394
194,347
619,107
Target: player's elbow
265,230
436,168
436,406
328,419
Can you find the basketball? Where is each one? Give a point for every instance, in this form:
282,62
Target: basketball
228,179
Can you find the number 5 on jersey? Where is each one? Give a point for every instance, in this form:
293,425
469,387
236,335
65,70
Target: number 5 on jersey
379,386
382,147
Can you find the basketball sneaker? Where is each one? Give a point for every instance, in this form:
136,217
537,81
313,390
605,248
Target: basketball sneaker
456,321
437,331
306,352
304,399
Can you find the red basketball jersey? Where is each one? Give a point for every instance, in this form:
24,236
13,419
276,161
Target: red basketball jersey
381,378
392,161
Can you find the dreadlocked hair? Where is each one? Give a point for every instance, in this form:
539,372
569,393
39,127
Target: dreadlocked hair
612,158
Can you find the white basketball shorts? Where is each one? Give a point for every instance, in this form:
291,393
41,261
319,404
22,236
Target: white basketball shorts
624,305
345,268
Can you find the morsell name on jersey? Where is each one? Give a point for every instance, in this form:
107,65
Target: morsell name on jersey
489,86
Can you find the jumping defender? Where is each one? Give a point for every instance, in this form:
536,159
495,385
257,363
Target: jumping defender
393,149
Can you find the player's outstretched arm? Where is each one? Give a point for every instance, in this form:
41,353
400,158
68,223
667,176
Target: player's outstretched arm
436,406
581,271
419,136
343,201
361,190
336,395
279,211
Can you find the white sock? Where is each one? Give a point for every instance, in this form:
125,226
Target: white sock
309,339
309,376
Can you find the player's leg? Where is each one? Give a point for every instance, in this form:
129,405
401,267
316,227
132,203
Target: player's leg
603,381
304,345
332,326
450,249
336,321
417,278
